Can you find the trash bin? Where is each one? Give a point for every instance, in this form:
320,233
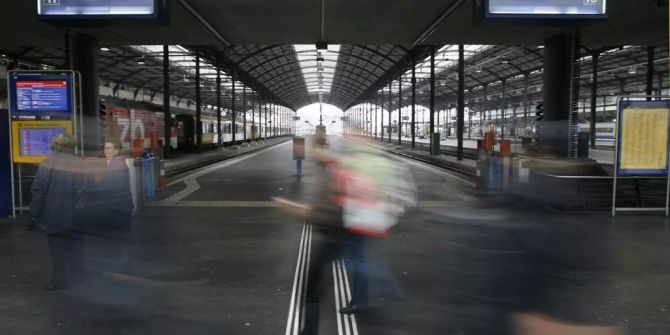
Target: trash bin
148,175
136,187
435,144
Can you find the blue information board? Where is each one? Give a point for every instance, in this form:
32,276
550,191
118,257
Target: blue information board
37,141
37,95
96,7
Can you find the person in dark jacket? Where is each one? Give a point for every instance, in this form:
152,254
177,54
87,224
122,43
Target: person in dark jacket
109,207
54,200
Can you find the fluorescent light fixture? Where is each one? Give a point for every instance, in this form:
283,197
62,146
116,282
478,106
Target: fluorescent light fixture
104,49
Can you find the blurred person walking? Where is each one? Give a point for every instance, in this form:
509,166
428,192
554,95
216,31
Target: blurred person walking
55,195
108,209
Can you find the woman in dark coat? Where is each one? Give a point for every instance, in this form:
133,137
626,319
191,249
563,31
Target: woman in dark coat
54,199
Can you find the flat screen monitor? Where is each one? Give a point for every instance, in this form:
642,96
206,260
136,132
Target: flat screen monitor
41,94
37,141
100,9
31,140
545,9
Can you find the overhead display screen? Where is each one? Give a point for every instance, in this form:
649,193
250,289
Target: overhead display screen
97,7
546,8
41,95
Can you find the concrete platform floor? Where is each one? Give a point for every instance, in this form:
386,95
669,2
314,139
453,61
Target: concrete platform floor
214,255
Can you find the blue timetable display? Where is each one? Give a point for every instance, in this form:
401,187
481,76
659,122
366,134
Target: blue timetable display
36,141
41,95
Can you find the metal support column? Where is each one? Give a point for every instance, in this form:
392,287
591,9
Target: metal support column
413,120
84,58
218,102
233,109
461,102
198,107
432,100
244,111
167,116
594,95
400,109
650,72
503,109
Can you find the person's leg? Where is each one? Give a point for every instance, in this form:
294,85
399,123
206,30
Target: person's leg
77,258
58,250
361,274
323,254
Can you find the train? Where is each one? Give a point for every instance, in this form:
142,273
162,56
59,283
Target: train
142,124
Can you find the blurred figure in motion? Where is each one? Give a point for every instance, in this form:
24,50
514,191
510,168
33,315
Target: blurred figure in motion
373,192
509,269
54,200
326,217
108,210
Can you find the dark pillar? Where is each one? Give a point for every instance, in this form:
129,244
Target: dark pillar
219,136
413,121
432,100
559,55
390,110
266,120
233,109
376,117
84,54
253,117
167,116
400,109
650,72
526,99
503,108
594,96
461,102
244,111
198,123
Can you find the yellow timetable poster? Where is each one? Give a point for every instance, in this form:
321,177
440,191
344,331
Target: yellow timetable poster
644,139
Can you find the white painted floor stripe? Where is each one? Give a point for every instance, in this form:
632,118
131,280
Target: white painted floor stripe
296,308
342,298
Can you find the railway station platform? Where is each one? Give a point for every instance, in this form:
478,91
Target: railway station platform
217,255
185,161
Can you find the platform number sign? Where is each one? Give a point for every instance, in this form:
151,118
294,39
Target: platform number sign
52,2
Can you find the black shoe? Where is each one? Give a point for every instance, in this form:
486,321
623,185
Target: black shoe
55,287
352,309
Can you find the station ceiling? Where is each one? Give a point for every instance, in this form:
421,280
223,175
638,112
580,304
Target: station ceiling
376,36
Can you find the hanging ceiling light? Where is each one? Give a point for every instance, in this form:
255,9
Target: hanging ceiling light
141,60
632,69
